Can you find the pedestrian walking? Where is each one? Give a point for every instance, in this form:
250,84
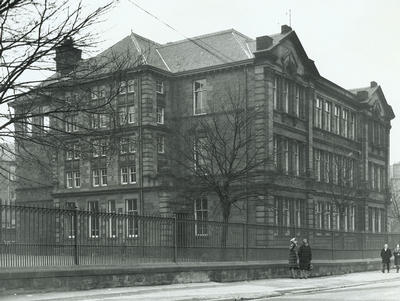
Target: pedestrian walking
305,257
396,254
293,257
386,254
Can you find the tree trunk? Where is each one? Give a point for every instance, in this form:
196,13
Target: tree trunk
226,210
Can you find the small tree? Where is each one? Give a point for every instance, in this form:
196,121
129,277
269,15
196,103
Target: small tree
219,152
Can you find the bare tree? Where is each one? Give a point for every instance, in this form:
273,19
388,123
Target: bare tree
44,114
219,152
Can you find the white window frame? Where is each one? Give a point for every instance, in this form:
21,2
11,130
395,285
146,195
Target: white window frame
93,211
96,177
200,97
70,180
122,87
124,174
77,179
201,216
132,223
112,221
103,177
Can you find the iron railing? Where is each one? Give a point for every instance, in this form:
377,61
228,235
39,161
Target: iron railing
32,237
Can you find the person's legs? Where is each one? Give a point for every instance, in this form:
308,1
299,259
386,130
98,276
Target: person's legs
383,267
293,272
397,268
388,266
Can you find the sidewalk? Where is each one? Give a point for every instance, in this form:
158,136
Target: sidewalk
245,290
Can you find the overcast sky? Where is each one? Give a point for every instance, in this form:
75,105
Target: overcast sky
352,42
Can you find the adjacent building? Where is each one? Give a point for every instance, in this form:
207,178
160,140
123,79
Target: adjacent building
328,147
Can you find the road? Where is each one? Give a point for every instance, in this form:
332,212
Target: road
389,290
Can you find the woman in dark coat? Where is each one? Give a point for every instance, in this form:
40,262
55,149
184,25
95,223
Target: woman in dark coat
396,254
305,257
293,257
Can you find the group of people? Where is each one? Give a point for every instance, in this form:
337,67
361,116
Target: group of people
300,258
386,254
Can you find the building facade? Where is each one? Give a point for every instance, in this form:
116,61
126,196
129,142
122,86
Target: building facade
327,147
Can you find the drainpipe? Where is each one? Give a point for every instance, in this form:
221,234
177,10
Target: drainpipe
140,148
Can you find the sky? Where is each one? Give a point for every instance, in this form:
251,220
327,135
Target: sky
352,42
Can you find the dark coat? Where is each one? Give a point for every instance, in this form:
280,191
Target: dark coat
386,255
305,257
293,258
396,254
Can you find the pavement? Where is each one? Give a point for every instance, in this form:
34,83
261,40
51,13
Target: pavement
245,290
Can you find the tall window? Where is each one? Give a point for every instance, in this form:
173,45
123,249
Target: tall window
70,219
132,224
160,114
318,112
286,96
122,115
327,115
352,130
131,114
327,216
70,181
288,212
199,97
131,86
94,219
317,164
71,123
345,123
318,215
159,87
103,180
336,120
296,161
160,144
201,216
285,150
112,221
77,179
96,177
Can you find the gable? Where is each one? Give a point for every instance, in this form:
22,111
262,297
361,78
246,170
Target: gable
292,58
379,106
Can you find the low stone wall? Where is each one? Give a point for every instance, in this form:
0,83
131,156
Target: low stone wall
82,278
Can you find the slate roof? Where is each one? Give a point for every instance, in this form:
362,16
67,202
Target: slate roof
370,90
189,54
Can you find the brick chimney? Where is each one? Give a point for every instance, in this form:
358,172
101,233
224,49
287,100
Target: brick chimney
285,29
263,42
373,84
67,57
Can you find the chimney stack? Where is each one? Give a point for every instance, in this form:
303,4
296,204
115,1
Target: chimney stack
67,56
373,84
285,29
263,42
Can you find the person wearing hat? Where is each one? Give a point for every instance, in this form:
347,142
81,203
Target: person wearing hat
293,257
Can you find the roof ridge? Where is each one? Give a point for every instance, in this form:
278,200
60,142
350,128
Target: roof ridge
144,38
201,37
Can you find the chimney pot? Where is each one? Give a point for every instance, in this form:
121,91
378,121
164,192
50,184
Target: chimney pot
263,42
285,29
373,84
67,56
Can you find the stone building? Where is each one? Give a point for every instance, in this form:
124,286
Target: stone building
7,187
328,146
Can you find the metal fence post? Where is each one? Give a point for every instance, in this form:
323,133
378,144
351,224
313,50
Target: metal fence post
76,254
245,242
333,245
175,239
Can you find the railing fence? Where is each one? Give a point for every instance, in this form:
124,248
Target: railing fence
32,237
